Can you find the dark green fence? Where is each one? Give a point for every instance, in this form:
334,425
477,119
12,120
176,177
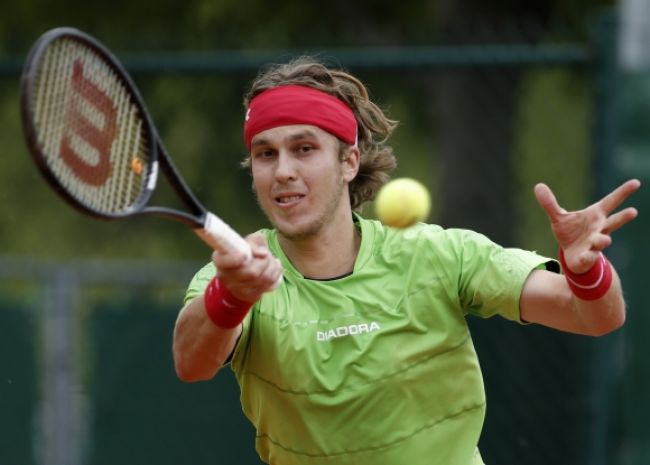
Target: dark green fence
18,382
140,412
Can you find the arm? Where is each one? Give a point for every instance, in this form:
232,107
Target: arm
547,298
200,347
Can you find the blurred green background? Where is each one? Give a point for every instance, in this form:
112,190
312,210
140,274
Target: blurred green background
492,96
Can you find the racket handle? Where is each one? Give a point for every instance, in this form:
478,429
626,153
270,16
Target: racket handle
221,237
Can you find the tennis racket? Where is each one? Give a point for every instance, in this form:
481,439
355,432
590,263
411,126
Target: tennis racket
91,135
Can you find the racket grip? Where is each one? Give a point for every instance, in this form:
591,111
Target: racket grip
221,237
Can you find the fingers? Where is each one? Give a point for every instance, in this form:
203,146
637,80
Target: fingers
259,246
548,202
255,278
619,219
271,278
248,279
601,241
273,272
615,198
586,260
231,260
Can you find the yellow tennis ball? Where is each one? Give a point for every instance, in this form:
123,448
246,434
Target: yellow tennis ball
402,202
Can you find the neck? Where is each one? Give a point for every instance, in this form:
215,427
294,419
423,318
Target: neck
329,254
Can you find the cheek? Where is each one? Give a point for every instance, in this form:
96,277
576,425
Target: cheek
258,177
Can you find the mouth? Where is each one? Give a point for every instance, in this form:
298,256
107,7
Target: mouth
288,199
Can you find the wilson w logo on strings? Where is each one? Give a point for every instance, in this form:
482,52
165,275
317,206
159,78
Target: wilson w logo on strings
87,140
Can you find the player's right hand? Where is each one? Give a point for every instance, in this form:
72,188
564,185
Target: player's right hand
248,279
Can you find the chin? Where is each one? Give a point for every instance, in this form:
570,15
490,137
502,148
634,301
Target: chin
297,230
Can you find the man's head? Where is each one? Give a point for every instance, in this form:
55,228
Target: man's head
334,101
301,179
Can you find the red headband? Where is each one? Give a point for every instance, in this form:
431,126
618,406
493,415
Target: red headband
291,104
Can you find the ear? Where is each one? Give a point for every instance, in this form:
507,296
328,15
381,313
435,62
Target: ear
351,164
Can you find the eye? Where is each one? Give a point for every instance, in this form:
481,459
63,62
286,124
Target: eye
305,148
264,154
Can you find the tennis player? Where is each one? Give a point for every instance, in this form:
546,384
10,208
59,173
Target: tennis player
362,354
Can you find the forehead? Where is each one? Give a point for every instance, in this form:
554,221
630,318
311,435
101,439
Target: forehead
290,133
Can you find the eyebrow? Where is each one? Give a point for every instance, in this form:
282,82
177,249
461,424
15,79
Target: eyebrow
305,134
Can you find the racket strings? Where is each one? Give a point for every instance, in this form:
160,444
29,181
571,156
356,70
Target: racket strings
90,130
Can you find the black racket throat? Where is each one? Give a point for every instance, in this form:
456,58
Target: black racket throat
196,213
178,184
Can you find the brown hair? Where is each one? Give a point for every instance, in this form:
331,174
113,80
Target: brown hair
377,159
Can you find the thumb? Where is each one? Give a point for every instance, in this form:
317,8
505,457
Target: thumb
548,202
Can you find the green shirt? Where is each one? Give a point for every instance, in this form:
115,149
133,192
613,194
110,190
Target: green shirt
377,367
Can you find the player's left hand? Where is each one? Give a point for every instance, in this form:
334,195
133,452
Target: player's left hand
582,234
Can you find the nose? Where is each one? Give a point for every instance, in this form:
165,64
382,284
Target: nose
286,167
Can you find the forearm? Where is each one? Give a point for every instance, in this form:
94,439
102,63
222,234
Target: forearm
547,300
200,347
601,316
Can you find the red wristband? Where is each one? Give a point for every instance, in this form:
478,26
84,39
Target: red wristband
592,284
224,309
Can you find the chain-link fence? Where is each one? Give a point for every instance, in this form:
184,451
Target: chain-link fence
87,370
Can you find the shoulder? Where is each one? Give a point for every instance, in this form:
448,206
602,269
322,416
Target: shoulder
419,237
453,247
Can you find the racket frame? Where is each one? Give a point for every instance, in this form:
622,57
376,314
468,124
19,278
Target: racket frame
208,226
158,155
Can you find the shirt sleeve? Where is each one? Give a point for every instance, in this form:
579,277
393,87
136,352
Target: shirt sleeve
199,282
492,277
